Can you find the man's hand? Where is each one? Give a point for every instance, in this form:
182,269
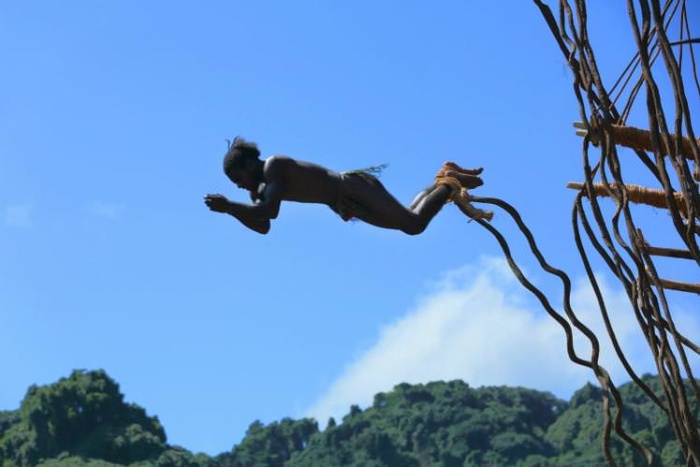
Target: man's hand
217,203
242,212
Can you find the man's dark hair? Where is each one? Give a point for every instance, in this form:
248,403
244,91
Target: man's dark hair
239,153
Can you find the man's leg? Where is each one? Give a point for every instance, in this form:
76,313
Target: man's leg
427,205
383,210
420,196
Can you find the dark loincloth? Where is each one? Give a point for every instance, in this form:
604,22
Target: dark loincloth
346,207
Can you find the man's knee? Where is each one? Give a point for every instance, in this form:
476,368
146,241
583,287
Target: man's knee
416,228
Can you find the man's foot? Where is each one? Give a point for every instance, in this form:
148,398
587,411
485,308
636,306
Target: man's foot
466,180
455,168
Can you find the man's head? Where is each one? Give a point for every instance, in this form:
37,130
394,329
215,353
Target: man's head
242,162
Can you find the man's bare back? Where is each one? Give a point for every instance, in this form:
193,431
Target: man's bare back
301,181
351,195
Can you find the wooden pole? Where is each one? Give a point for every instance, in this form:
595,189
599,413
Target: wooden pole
668,252
636,194
681,286
637,138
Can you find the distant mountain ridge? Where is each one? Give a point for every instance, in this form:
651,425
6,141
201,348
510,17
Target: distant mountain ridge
83,420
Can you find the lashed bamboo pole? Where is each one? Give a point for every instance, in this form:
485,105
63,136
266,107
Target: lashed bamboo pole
636,194
637,138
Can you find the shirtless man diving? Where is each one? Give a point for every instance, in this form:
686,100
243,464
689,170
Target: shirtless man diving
353,195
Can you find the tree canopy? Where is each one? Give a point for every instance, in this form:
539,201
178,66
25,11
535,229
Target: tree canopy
83,420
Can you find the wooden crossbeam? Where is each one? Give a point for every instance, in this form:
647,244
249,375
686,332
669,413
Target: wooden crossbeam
668,252
636,138
681,286
636,194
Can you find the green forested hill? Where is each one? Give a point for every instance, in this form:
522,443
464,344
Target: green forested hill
83,420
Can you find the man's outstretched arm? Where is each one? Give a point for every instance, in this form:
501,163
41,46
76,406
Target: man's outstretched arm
254,216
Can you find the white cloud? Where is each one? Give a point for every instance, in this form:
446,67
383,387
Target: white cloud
480,325
18,215
109,211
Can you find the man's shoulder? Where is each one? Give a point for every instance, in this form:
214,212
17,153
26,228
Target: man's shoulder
278,160
277,166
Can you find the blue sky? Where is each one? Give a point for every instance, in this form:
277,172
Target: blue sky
112,129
